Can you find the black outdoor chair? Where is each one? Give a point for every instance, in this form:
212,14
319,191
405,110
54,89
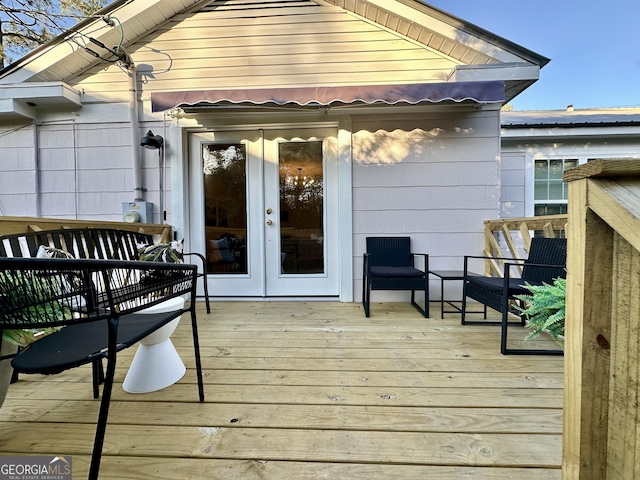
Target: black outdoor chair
547,261
388,264
94,302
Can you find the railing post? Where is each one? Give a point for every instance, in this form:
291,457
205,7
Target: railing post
602,346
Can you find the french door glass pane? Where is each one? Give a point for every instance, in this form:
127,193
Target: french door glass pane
225,201
301,207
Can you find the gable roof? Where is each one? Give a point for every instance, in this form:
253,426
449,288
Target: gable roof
476,54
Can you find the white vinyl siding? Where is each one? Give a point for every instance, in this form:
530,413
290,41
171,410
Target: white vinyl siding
520,155
17,171
75,178
512,185
301,46
434,177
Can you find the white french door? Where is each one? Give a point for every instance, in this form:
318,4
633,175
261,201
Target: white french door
264,211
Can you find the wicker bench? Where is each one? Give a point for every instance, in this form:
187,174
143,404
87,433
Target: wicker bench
87,243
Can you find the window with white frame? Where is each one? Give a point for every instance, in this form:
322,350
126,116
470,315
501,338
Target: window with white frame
550,192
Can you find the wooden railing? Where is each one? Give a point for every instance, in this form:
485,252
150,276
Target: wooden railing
602,350
511,237
11,225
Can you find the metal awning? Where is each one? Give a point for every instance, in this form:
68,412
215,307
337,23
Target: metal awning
410,94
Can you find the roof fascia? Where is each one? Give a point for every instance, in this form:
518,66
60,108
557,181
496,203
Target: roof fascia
549,133
517,77
493,71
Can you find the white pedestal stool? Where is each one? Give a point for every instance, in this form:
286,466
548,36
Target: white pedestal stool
156,364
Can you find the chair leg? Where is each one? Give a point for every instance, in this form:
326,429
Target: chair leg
464,308
423,311
196,348
427,305
504,350
97,375
427,300
366,285
503,333
101,428
14,374
206,292
366,292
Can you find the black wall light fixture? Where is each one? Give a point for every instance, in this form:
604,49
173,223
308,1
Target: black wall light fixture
155,142
151,141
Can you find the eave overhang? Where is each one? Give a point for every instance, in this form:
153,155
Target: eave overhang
22,100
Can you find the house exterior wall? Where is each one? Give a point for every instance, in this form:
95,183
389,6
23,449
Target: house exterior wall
434,177
431,172
512,184
520,153
72,170
17,170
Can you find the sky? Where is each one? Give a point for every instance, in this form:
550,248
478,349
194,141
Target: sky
594,47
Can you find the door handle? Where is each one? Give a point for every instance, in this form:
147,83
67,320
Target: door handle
269,222
269,211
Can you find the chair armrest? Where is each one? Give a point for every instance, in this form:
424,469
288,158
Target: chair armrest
366,265
425,259
485,257
512,264
496,258
202,259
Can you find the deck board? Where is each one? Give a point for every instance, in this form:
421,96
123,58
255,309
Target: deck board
311,390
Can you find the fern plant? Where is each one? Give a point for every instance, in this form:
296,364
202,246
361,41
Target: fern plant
544,309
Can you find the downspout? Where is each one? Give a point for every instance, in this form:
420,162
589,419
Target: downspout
36,176
135,133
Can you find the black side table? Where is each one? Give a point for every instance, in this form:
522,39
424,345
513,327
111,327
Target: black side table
451,275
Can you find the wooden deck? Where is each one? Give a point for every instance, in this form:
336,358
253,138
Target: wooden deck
312,390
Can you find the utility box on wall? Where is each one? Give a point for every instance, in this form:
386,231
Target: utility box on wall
137,212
